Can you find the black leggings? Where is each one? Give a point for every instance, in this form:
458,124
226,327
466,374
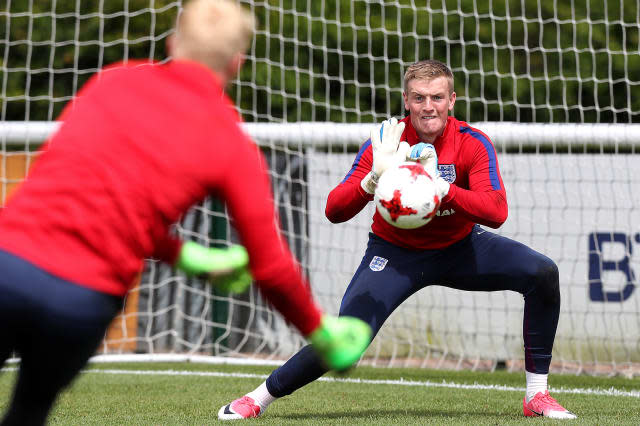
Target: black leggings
54,326
483,261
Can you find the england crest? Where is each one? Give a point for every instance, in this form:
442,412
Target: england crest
377,263
447,172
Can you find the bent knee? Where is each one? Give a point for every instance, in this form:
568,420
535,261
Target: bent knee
547,282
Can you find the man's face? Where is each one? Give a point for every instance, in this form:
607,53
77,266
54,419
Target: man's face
429,103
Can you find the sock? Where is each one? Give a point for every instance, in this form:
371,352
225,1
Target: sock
535,383
261,396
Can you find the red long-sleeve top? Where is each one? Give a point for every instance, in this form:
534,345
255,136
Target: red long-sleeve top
142,144
466,159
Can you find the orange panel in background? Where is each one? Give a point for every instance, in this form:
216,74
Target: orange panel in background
13,169
122,332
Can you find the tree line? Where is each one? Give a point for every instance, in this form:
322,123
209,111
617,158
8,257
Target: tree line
343,60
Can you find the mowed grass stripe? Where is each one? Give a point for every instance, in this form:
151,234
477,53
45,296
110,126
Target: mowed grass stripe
192,394
400,382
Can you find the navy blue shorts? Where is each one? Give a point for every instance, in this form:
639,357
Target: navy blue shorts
54,326
482,261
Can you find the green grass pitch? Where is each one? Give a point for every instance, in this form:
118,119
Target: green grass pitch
191,394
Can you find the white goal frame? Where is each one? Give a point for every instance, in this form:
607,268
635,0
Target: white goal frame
610,136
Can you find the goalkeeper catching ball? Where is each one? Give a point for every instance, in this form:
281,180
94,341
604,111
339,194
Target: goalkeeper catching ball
452,250
140,145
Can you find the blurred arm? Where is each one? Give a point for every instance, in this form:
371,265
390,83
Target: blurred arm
247,192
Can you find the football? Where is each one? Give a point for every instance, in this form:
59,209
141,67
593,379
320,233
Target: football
406,196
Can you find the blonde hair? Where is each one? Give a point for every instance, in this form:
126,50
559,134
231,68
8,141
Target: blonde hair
212,32
428,70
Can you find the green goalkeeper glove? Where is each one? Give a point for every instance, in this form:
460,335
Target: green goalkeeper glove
225,268
340,341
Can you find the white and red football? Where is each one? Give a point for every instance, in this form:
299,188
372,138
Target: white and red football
406,196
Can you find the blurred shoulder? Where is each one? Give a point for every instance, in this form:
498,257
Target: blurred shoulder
125,66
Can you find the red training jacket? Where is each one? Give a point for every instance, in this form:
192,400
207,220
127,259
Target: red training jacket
466,159
138,147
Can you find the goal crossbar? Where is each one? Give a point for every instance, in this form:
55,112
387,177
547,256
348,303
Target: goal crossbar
324,134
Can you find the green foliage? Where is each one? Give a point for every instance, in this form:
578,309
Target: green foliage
48,49
343,60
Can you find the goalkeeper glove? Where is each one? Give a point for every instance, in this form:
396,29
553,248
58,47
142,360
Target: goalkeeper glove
340,341
387,149
225,268
425,153
442,187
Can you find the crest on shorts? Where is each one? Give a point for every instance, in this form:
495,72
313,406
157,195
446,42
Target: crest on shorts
377,263
448,172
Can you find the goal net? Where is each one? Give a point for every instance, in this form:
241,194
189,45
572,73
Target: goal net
554,85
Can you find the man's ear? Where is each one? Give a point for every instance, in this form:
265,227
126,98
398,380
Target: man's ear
170,45
234,66
452,101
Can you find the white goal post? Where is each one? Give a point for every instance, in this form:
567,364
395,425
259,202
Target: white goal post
554,87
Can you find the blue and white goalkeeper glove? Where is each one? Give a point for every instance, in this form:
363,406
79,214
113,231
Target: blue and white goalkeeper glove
225,268
425,154
387,149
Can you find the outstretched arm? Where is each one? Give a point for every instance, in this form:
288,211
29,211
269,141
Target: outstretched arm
339,341
247,193
485,202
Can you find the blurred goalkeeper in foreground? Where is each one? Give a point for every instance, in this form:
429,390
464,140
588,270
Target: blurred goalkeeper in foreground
452,250
139,146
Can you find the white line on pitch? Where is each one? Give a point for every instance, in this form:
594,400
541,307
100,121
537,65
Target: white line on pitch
401,382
